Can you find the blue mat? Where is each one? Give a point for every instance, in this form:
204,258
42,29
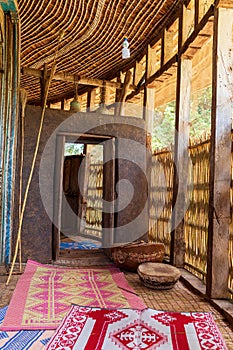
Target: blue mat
23,340
79,245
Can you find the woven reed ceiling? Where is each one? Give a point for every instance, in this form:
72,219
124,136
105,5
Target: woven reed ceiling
92,43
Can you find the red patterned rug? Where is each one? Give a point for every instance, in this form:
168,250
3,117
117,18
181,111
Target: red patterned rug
44,294
95,328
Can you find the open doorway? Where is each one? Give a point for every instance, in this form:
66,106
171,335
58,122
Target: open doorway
83,190
83,179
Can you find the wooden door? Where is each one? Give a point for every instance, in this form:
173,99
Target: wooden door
72,192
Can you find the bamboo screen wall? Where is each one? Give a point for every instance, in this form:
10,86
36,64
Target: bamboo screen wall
196,218
161,198
94,201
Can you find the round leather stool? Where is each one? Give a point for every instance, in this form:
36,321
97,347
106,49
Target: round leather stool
158,276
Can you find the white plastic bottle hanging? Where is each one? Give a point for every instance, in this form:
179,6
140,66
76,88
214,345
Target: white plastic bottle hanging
125,49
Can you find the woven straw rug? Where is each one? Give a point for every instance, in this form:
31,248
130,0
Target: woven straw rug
23,340
96,328
44,293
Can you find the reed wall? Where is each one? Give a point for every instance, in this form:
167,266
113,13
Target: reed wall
161,192
196,217
94,201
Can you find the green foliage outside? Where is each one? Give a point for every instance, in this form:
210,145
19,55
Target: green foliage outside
164,125
200,119
72,149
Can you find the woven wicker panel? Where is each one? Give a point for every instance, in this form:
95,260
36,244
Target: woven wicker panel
196,218
161,198
94,201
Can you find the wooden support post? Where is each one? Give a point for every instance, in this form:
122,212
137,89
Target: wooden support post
137,73
118,90
58,189
196,15
123,93
105,95
162,49
148,112
168,45
149,93
91,99
43,81
184,77
108,193
220,157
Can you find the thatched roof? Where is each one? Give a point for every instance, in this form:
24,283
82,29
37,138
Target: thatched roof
92,43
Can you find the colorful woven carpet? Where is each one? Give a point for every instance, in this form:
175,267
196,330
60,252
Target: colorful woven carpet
95,328
44,294
23,340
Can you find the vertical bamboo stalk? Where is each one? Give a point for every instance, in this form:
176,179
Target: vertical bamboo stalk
23,98
47,85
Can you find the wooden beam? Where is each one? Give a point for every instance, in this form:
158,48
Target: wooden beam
70,78
224,3
205,23
220,156
198,31
155,76
184,79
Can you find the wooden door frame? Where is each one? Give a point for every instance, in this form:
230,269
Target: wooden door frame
108,193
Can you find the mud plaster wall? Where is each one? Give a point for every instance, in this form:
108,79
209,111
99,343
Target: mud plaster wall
37,225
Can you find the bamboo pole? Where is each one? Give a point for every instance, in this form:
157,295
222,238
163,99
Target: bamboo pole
23,100
47,85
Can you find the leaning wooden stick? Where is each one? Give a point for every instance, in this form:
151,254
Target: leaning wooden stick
23,100
54,66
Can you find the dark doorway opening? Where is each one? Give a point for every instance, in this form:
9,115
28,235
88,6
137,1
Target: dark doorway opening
83,190
82,181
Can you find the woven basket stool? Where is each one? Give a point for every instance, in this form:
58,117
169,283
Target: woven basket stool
130,256
158,276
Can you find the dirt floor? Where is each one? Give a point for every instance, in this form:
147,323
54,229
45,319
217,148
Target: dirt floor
177,299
